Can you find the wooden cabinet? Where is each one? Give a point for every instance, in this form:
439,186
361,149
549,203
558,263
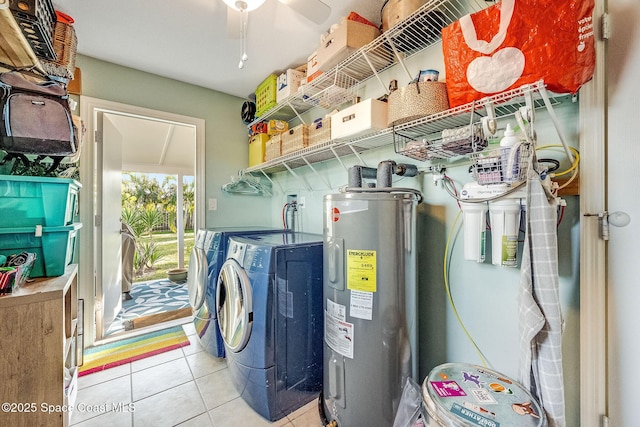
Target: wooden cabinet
39,344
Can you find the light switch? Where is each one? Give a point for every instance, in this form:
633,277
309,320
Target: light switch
213,204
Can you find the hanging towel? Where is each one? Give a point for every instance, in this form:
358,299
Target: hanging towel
540,315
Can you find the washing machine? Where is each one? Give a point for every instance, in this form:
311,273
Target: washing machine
269,304
208,255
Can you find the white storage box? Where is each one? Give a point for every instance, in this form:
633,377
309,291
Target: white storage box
288,83
343,41
368,116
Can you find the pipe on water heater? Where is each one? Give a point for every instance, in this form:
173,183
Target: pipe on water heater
358,173
388,168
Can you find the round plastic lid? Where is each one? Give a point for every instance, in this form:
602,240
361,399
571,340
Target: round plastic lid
463,395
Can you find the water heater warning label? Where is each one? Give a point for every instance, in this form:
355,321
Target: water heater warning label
361,305
361,270
338,334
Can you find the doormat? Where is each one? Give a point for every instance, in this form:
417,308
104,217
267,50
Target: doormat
128,350
149,298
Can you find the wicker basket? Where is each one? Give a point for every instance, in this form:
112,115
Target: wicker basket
416,100
272,150
319,131
65,45
295,139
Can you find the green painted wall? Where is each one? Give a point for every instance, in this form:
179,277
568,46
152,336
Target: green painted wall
227,149
486,296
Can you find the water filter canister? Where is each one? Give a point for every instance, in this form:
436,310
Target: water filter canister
474,219
504,215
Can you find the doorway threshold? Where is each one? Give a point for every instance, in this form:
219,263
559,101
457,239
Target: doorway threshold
145,329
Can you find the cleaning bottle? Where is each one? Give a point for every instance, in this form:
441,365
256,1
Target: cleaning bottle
509,155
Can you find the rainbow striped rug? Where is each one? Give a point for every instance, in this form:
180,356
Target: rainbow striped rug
128,350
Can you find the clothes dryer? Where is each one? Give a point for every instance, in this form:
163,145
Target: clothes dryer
206,259
269,304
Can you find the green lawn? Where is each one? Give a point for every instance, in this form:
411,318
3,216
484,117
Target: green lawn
167,247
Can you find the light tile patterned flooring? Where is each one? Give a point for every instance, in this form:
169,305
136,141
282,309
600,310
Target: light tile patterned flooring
185,387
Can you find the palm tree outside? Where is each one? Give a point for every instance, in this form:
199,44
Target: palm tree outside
149,208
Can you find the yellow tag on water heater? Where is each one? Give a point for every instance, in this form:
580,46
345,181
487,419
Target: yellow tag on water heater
361,270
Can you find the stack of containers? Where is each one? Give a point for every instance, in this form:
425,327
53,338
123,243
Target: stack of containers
263,132
38,216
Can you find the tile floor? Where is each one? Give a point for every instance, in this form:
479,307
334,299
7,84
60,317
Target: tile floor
185,387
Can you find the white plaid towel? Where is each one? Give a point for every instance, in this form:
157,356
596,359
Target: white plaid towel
540,314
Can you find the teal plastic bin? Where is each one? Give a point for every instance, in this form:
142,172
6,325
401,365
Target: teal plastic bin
27,201
53,246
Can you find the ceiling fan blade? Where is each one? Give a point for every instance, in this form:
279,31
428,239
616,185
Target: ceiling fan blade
233,23
314,10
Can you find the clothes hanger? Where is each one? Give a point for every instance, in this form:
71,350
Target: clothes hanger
247,185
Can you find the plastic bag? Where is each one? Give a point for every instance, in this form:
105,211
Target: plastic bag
516,42
411,411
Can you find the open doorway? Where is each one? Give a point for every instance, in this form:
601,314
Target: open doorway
156,233
133,140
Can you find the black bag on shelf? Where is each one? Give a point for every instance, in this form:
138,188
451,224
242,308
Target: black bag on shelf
36,118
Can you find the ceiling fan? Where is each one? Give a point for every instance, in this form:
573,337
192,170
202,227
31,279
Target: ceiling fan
238,14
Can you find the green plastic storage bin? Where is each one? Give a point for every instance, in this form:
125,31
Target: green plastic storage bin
27,201
53,246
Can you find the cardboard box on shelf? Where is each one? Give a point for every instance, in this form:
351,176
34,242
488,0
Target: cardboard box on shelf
348,37
277,126
312,67
288,83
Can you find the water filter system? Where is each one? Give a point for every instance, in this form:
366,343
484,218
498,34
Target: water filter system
501,205
498,199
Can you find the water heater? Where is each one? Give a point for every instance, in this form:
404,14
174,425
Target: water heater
370,344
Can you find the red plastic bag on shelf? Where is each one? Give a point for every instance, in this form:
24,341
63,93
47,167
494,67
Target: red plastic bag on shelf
516,42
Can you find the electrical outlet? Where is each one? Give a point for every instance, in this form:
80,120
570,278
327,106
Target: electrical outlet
301,202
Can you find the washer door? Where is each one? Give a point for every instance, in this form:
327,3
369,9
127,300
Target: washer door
197,278
234,306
